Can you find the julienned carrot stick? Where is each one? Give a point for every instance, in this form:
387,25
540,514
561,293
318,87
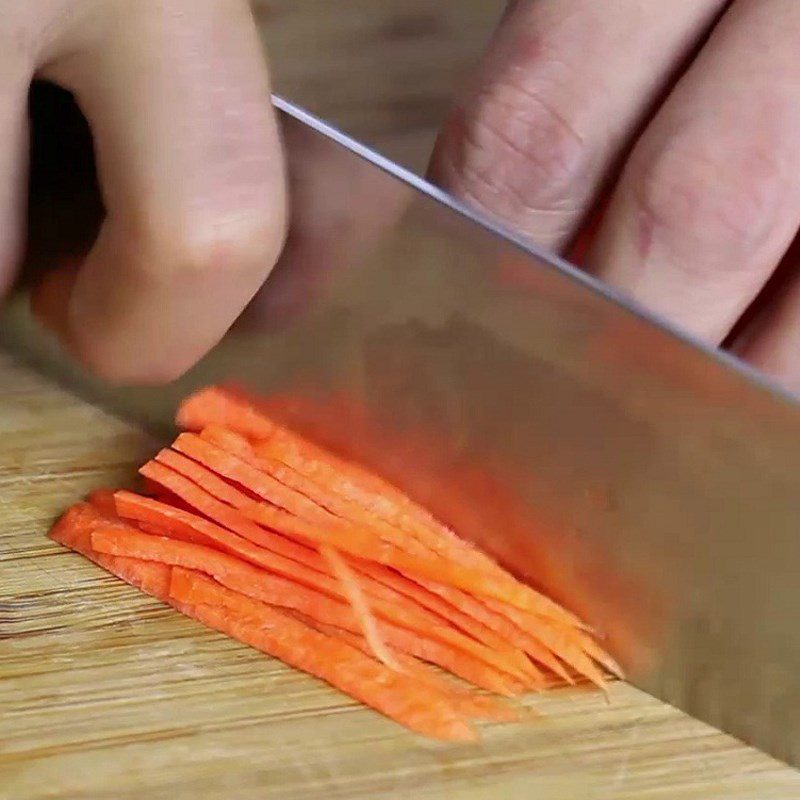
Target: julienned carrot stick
478,608
170,521
418,706
74,530
263,485
361,544
410,614
330,500
472,705
566,642
241,412
450,614
276,590
188,481
281,496
360,607
236,410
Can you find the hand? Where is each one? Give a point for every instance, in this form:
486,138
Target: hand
176,94
679,123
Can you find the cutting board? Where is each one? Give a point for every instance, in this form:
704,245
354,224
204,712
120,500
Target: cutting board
105,693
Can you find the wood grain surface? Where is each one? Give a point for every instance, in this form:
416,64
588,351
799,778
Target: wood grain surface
104,693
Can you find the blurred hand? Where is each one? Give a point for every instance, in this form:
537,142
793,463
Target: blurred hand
680,121
190,167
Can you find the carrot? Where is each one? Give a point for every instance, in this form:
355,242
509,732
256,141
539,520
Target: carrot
565,642
188,482
516,636
175,522
360,607
103,501
74,530
240,412
237,411
472,705
361,544
261,484
194,496
414,704
428,543
452,614
281,591
223,406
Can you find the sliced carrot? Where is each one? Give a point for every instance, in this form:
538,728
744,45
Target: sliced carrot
194,495
361,544
474,706
452,614
203,477
360,607
188,481
563,641
235,409
256,481
240,576
74,530
417,706
169,521
407,536
103,500
221,406
516,636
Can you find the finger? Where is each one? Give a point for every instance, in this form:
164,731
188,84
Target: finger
709,200
189,161
769,336
561,91
15,77
331,230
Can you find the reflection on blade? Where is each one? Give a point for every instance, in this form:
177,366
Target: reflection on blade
645,482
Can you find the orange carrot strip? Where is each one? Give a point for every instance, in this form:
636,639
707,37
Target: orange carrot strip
360,607
472,705
203,477
362,545
559,640
240,412
452,614
517,636
217,512
221,406
171,521
233,468
331,501
417,706
103,501
193,484
276,590
74,530
236,410
433,545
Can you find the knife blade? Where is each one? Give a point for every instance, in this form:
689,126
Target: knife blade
646,481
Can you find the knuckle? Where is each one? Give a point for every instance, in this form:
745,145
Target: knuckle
516,146
195,248
701,196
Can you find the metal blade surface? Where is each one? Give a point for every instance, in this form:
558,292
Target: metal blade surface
646,482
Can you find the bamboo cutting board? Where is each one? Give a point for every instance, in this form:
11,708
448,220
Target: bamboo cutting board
104,693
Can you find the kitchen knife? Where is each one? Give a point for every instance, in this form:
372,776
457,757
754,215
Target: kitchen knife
646,481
